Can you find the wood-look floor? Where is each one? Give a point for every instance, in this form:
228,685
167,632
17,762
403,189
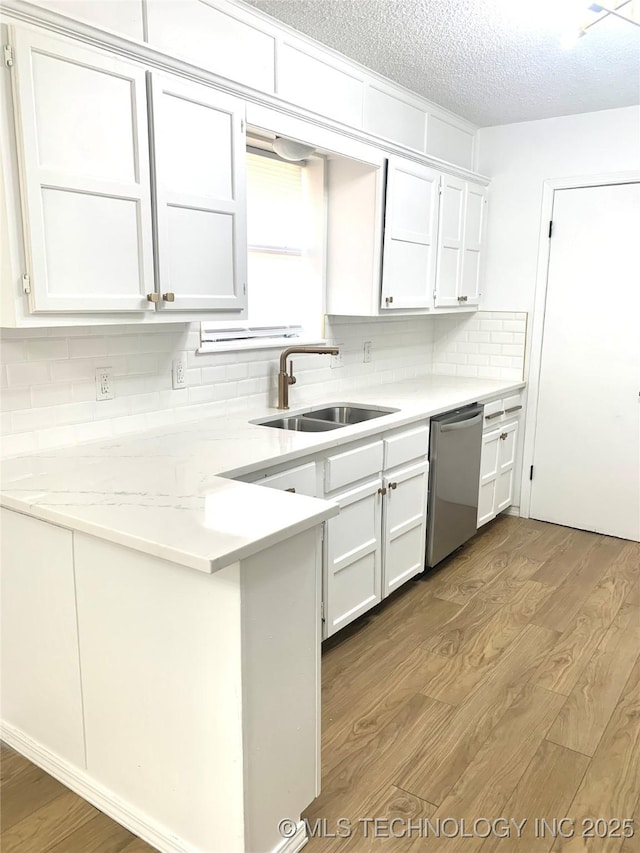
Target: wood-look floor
504,685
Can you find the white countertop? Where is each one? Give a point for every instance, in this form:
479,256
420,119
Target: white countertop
167,491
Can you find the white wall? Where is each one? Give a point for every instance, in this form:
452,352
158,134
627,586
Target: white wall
519,158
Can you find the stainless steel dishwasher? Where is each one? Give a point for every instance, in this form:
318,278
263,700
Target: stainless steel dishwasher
454,476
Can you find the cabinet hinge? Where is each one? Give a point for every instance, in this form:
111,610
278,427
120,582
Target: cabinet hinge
26,284
7,52
550,228
244,288
531,473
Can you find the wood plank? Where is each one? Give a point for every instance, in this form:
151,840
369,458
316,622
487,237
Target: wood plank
564,561
387,804
48,824
545,791
11,764
366,715
561,670
456,631
491,777
587,711
347,788
379,659
28,791
477,655
558,611
634,595
611,785
518,571
99,835
439,761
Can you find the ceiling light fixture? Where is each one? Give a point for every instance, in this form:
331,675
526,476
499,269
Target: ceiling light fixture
603,11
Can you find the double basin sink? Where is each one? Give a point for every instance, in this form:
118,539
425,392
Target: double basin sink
327,418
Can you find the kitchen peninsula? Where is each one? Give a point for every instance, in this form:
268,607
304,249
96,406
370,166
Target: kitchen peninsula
167,619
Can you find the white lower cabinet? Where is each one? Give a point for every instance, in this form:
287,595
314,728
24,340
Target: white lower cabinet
378,540
404,524
497,470
353,556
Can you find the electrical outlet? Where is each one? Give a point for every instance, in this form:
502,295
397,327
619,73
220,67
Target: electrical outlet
336,360
366,351
179,371
104,384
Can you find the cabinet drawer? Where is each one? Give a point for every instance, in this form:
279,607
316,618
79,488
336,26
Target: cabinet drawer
512,406
493,410
352,465
301,480
405,446
506,408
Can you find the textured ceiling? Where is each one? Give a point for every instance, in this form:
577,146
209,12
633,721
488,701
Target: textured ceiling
491,61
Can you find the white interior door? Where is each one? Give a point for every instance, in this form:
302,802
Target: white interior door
82,127
410,234
200,151
587,442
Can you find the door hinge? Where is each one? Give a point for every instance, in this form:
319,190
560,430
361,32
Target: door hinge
531,473
26,284
7,51
241,125
322,610
550,228
244,288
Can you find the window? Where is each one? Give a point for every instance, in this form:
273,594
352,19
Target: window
285,231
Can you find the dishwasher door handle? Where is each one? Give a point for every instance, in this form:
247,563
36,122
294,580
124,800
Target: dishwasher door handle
469,422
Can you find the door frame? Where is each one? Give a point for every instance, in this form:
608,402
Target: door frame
535,343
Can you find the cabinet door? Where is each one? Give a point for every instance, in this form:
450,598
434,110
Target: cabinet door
411,224
506,459
489,467
199,144
353,577
474,231
404,526
448,291
82,133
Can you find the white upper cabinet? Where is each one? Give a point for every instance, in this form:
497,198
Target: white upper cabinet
474,236
200,149
411,227
450,237
81,118
460,243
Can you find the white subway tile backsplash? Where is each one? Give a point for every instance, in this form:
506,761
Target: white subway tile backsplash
48,376
492,342
28,373
53,395
44,350
87,347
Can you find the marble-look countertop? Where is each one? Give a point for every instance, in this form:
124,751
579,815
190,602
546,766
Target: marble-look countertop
169,491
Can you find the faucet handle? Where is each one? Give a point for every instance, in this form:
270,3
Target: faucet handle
291,378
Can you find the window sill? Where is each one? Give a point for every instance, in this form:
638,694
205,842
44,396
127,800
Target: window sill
258,344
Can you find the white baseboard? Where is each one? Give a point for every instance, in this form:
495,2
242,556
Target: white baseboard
81,783
295,843
512,510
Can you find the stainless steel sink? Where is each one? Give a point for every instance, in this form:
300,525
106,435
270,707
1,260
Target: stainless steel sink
327,418
344,415
300,424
